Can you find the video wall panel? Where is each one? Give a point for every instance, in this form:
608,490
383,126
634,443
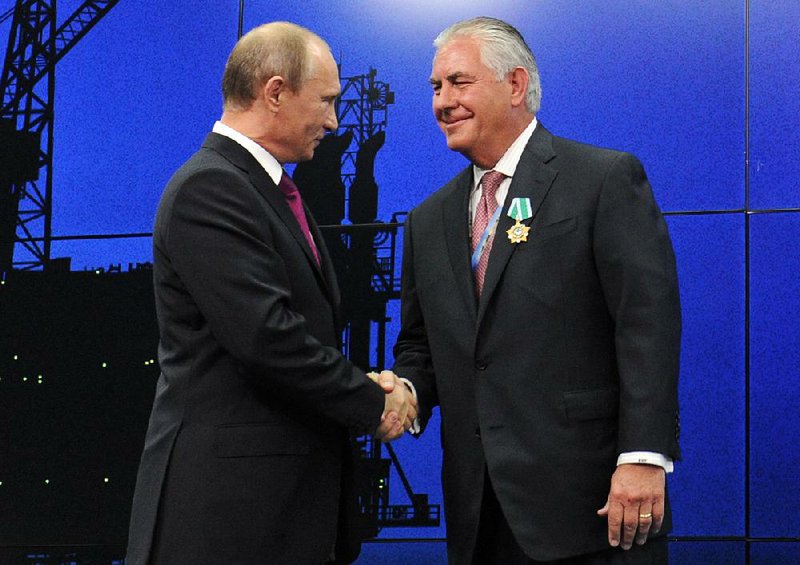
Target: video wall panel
774,390
729,553
774,104
709,251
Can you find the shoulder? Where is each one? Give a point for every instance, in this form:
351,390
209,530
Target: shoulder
203,175
577,151
207,188
580,160
545,146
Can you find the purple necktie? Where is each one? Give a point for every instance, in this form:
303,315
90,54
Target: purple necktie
294,201
487,205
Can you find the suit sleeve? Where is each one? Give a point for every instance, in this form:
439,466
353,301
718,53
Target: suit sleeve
636,265
220,240
411,351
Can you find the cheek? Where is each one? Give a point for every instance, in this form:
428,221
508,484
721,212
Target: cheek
321,116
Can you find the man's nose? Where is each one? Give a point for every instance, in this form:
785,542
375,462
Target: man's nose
331,122
444,99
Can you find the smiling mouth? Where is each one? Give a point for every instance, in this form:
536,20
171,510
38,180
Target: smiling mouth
450,123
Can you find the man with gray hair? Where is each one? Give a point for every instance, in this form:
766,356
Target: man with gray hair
247,457
540,312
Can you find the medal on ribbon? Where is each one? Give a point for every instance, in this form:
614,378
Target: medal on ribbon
520,209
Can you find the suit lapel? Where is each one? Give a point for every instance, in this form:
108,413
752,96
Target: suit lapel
455,224
325,268
532,179
274,196
241,158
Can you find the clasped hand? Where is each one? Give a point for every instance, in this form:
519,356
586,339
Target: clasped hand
400,408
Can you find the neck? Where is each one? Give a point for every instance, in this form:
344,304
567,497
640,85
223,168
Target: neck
252,124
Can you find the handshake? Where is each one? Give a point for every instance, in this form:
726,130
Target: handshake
400,409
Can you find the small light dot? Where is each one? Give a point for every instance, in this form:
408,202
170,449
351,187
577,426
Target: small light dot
16,357
105,479
47,481
24,379
104,365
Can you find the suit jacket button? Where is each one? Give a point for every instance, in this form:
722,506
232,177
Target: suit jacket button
481,366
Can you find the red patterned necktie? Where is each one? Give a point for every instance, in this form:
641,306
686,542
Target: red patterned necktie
294,201
487,205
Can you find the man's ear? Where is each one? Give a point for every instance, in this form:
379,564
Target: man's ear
272,91
518,78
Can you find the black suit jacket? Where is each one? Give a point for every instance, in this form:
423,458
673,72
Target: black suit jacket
570,356
247,456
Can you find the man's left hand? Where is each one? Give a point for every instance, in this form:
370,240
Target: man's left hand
635,505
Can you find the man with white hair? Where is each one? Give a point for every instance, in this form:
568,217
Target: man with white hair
540,312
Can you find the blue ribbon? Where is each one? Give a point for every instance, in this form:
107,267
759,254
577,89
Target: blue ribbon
476,255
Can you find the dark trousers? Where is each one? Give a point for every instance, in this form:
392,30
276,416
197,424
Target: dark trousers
496,545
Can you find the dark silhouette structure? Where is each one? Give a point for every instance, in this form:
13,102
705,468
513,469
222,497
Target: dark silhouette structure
321,179
19,164
363,204
35,45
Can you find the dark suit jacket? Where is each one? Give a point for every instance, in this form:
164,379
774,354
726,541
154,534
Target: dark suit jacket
569,358
247,453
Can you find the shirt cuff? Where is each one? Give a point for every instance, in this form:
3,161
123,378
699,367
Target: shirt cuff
646,458
415,425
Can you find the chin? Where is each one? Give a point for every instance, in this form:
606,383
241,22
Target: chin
457,144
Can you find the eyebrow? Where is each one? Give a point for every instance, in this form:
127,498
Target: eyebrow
452,77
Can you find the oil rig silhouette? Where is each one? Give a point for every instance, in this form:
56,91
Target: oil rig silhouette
77,348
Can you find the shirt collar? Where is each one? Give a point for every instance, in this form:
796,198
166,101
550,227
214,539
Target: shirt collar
264,158
510,159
